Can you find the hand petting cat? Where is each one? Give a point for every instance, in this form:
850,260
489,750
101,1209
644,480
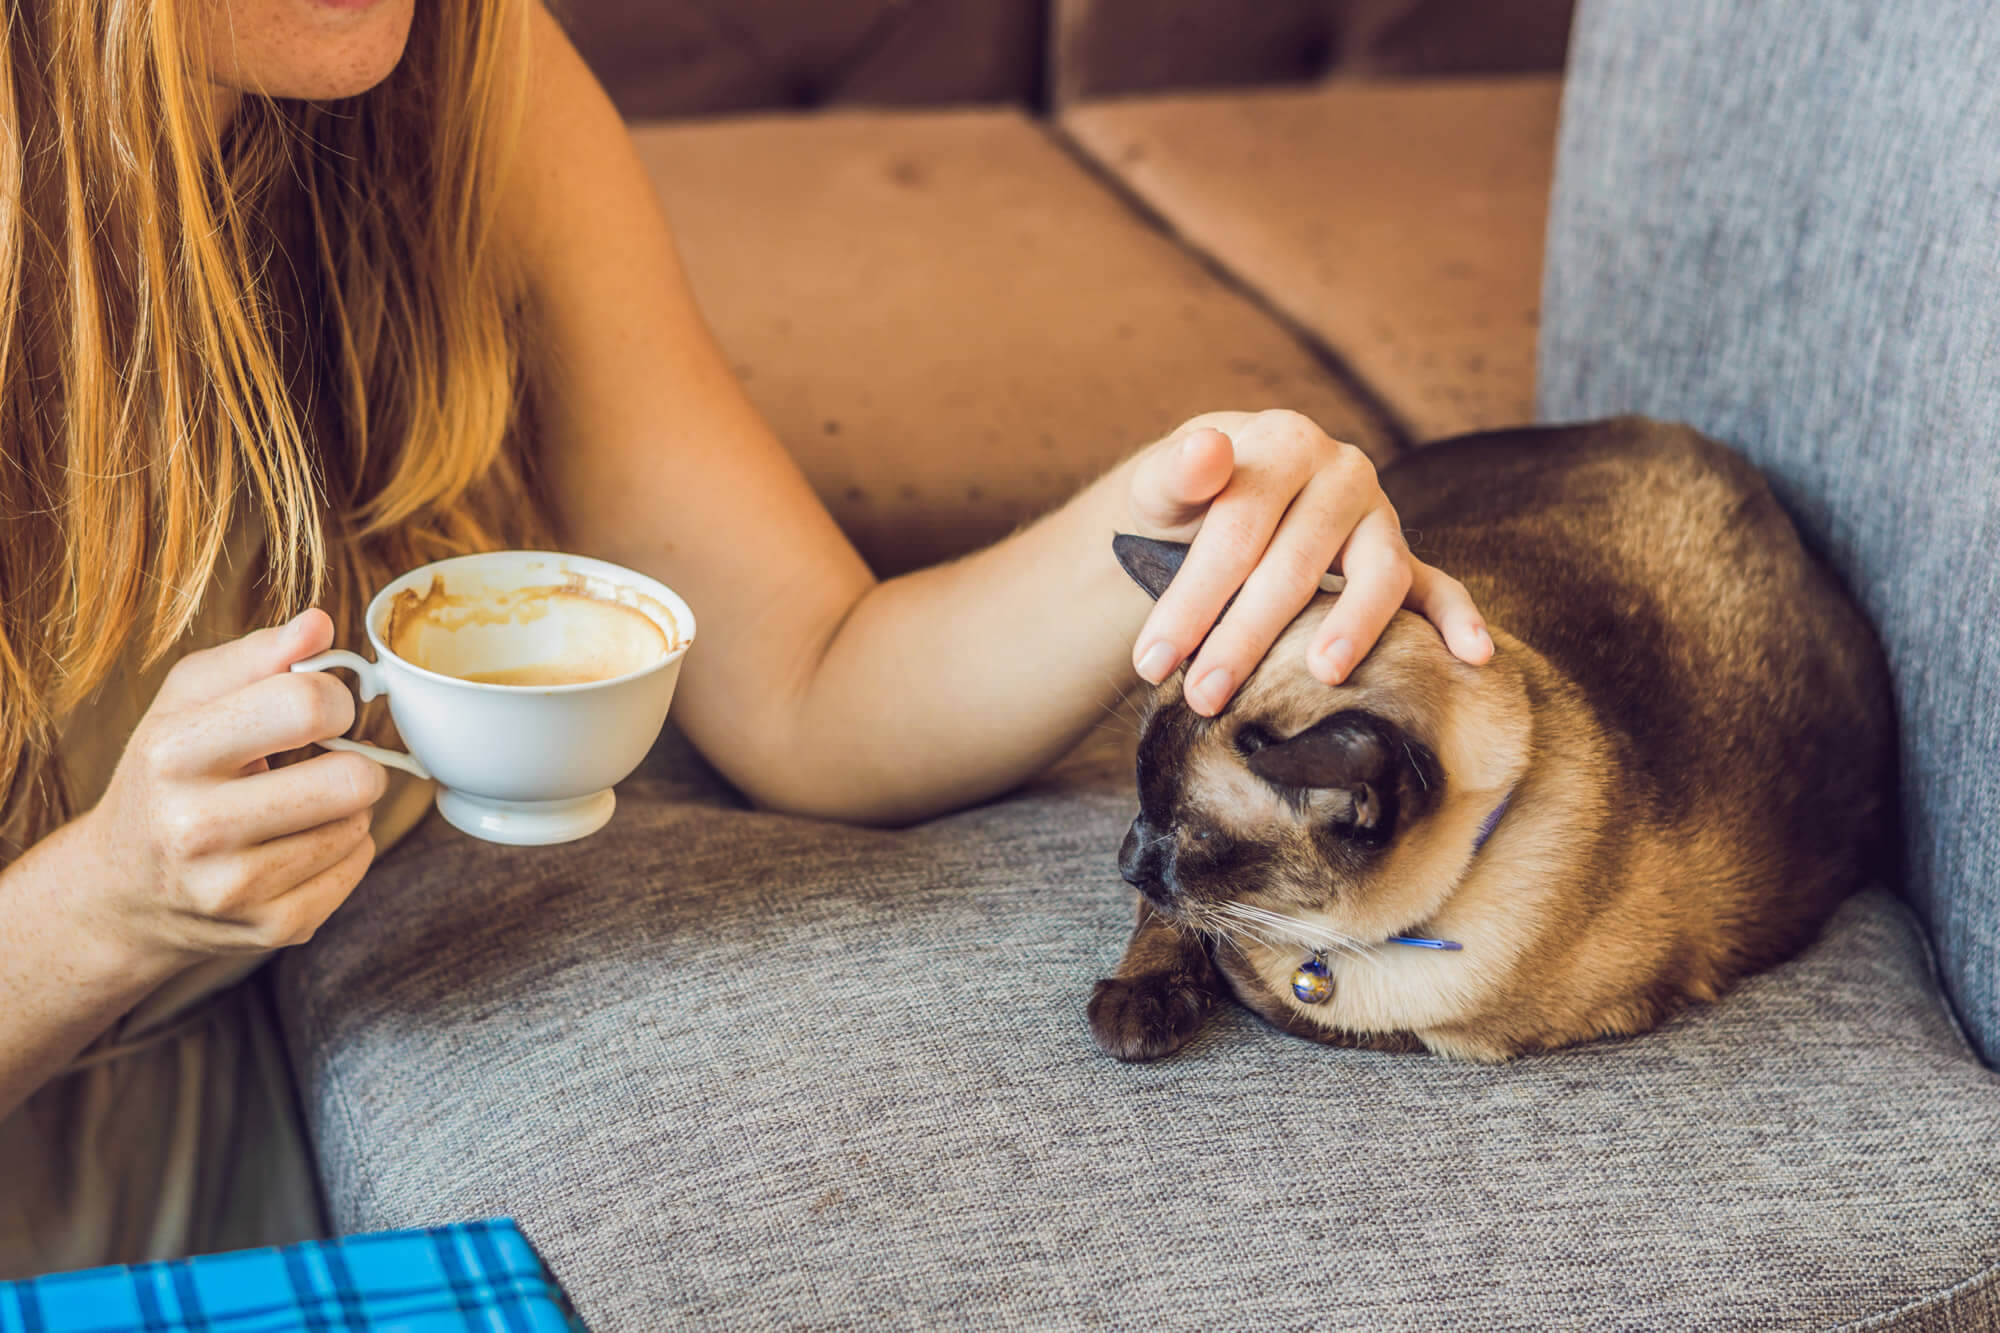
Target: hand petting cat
1270,502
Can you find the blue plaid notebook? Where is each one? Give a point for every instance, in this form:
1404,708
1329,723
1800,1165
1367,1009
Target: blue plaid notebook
477,1275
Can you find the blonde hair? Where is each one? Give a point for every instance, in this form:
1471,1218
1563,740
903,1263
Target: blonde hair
303,316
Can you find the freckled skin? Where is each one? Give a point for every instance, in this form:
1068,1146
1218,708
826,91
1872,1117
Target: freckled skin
302,48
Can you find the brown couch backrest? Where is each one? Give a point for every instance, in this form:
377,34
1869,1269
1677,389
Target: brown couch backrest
671,58
1106,47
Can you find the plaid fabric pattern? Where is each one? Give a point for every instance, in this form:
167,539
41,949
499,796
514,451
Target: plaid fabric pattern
476,1275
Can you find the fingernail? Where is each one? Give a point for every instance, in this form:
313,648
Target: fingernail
1212,690
1156,662
1481,639
1339,659
1187,445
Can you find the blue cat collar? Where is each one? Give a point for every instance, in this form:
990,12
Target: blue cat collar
1486,827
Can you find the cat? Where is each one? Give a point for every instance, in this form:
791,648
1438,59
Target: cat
1678,762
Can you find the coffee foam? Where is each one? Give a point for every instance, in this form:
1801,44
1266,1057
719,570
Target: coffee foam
575,632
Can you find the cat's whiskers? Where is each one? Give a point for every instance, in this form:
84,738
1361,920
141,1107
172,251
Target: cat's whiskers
1237,945
1203,923
1263,915
1266,924
1117,722
1234,933
1307,932
1279,940
1125,705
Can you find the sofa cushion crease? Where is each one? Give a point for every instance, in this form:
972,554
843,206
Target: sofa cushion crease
1399,223
951,323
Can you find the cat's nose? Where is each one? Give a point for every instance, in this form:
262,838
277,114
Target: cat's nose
1132,853
1146,860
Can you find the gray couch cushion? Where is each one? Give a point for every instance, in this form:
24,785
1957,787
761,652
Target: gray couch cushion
736,1068
1781,223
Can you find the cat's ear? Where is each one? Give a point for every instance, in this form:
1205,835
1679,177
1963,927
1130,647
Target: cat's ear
1151,563
1356,752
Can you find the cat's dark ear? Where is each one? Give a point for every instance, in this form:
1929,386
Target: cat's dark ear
1151,563
1366,756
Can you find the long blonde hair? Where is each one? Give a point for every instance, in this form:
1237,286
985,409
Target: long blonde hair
303,316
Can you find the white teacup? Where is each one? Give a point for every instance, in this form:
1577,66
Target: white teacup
576,661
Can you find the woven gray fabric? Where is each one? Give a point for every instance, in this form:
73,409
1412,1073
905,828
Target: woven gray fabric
737,1069
1781,223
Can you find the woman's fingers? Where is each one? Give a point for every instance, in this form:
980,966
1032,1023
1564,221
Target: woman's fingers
266,717
1270,508
294,918
278,894
1173,487
214,673
1379,571
1443,600
1233,538
239,889
275,803
1283,581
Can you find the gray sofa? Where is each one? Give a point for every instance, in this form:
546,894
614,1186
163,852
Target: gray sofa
733,1068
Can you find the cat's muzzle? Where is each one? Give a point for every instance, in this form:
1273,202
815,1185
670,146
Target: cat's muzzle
1146,860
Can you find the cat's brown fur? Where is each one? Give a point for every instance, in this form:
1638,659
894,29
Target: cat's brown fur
1692,720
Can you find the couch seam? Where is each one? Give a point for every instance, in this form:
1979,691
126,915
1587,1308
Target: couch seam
1985,1277
337,1091
1934,967
1394,430
746,42
878,35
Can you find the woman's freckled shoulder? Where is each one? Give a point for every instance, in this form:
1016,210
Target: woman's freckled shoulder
565,153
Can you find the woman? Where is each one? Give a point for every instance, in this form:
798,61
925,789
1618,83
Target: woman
297,294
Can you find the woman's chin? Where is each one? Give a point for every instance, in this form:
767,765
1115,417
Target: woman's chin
312,50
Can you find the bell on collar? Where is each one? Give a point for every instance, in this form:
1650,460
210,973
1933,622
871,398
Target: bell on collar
1313,983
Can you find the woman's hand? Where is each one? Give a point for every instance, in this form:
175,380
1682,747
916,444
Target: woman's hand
1270,503
205,848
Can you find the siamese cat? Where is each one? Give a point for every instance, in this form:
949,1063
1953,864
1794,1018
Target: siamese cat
1678,762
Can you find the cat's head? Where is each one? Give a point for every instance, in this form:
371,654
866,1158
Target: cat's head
1351,808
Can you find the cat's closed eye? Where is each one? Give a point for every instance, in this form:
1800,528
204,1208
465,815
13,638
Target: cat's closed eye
1208,849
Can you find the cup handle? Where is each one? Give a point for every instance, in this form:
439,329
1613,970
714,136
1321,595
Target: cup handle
368,682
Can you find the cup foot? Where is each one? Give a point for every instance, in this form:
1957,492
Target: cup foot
526,823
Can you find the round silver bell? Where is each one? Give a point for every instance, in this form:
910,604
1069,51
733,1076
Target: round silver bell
1313,982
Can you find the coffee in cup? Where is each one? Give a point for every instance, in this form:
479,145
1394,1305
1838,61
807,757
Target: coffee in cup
546,634
526,684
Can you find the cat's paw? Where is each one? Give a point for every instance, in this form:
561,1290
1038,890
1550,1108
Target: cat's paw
1144,1018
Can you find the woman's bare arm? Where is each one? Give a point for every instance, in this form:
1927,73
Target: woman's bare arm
812,686
64,977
